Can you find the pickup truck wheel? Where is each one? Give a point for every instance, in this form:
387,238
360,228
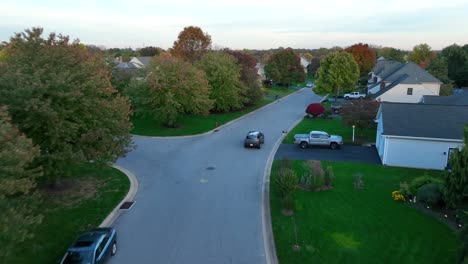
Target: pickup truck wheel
333,145
360,98
259,145
303,145
347,98
114,249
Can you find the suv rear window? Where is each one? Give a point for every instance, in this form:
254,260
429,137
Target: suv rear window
251,136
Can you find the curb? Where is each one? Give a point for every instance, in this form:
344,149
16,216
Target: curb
268,237
128,198
223,125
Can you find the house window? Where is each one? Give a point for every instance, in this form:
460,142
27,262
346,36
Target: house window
375,79
409,91
382,85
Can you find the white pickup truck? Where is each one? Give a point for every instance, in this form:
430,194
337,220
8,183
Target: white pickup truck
318,138
354,95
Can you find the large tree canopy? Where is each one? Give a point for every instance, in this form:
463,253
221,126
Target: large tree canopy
60,96
249,76
223,74
191,44
422,55
364,56
285,67
173,87
17,182
338,72
393,54
457,60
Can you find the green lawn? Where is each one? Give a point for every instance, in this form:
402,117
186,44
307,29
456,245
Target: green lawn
345,225
331,126
69,212
194,124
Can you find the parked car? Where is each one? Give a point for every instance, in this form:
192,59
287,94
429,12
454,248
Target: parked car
93,247
354,95
254,139
318,138
335,108
309,85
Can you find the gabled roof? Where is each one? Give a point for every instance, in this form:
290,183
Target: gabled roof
415,74
143,61
390,86
385,67
460,98
424,120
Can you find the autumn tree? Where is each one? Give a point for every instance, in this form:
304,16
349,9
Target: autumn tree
421,55
60,96
173,88
249,76
191,44
149,51
17,184
393,54
364,56
338,72
223,74
285,67
307,55
360,113
457,60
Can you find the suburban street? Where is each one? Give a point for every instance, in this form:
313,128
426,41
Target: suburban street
200,198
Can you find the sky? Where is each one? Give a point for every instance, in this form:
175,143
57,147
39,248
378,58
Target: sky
248,24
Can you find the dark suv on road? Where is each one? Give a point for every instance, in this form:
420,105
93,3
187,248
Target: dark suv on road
254,139
93,247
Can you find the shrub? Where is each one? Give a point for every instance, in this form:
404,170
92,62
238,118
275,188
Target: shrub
286,181
285,163
416,183
358,183
315,109
430,194
329,176
315,168
397,196
327,114
404,189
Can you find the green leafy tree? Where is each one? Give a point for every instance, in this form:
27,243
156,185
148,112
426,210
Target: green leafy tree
285,67
393,54
338,72
421,55
223,74
456,179
249,76
313,66
364,56
457,60
149,51
17,184
174,87
60,96
439,69
191,44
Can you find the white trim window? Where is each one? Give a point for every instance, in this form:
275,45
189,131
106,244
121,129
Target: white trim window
409,91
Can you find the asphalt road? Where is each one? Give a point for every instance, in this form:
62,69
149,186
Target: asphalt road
200,198
347,153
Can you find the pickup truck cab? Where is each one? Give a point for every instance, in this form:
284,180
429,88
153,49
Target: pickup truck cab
354,95
318,138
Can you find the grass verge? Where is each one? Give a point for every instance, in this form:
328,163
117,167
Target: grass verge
331,126
82,203
194,124
346,225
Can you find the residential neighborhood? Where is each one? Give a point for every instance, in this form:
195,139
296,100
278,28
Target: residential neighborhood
270,144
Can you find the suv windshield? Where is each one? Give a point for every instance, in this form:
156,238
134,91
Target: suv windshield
251,136
79,257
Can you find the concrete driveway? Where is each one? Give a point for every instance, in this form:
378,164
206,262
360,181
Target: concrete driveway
200,198
347,153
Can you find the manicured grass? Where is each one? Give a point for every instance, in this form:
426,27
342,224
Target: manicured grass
194,124
71,211
346,225
331,126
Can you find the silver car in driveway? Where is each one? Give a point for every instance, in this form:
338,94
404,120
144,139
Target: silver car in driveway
254,139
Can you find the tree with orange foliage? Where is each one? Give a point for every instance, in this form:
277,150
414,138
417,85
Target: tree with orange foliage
364,56
192,44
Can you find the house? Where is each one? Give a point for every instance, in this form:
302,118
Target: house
460,98
419,135
304,63
393,81
261,71
141,62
